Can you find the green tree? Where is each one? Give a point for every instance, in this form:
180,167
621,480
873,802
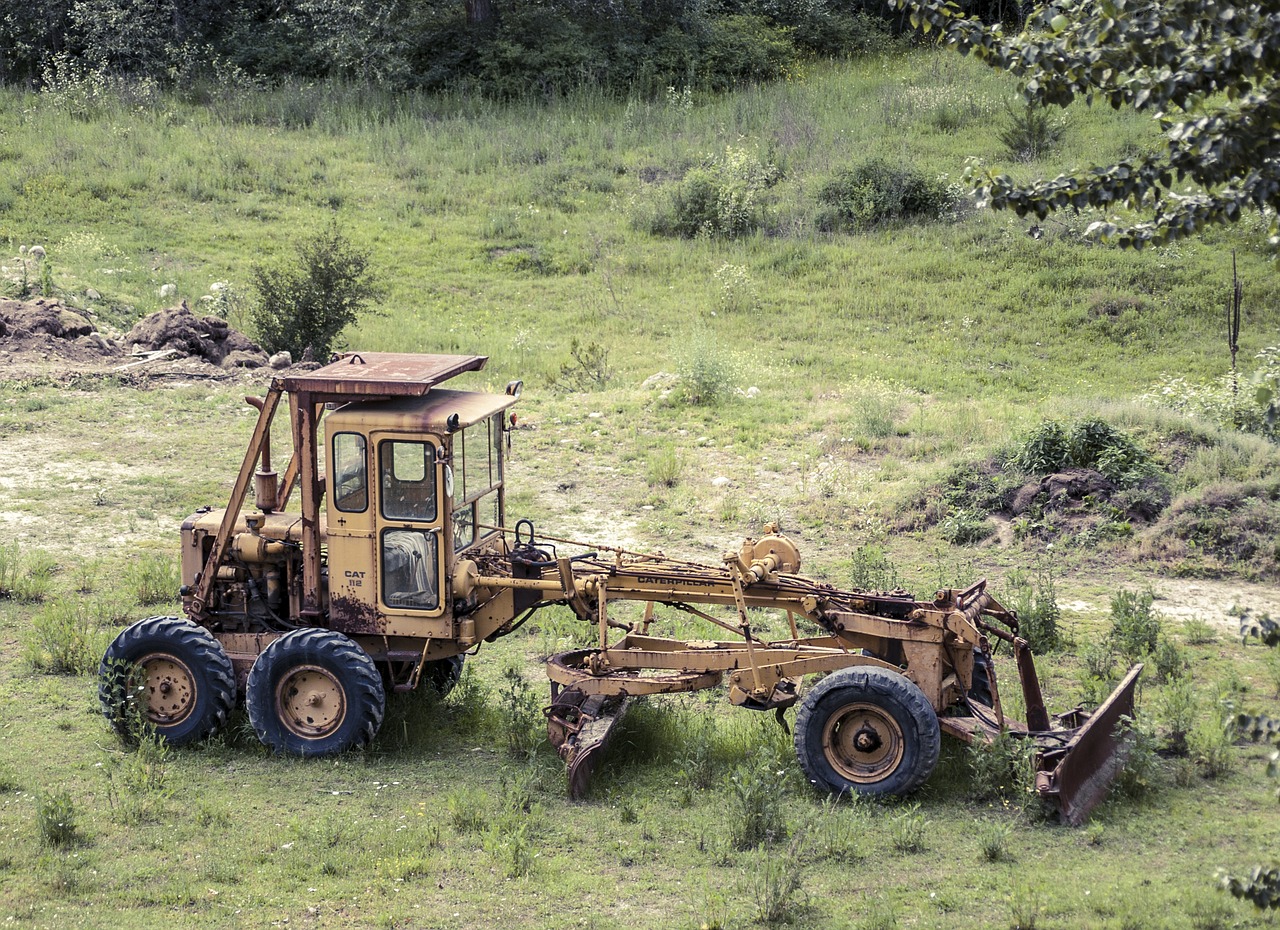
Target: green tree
307,304
1207,70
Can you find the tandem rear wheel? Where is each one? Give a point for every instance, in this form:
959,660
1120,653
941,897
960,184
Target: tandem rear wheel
867,730
315,692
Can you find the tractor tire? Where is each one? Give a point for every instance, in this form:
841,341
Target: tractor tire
867,730
442,675
314,693
169,673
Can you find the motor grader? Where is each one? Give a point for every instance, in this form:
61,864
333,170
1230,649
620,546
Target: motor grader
400,560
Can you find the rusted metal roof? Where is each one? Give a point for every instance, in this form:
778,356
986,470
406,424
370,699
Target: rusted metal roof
430,415
383,374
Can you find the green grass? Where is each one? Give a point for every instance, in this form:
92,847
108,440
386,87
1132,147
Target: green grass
883,362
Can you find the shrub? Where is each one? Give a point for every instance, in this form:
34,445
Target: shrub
1211,749
308,304
1035,600
587,369
993,840
1032,132
704,370
663,466
1140,773
778,885
909,830
744,48
519,712
879,191
63,639
873,570
1092,443
1247,402
1135,627
152,579
721,197
1178,709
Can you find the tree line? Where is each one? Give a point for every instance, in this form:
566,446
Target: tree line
503,48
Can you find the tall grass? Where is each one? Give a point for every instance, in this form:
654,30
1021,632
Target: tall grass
442,187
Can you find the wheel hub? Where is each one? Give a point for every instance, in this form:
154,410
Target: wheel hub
863,743
866,739
169,687
311,702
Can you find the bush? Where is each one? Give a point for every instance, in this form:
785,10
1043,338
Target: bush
705,372
1035,600
1094,443
879,191
744,48
307,305
520,712
152,579
1135,627
1032,132
721,197
64,639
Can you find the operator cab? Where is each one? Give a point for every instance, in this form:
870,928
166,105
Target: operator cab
415,484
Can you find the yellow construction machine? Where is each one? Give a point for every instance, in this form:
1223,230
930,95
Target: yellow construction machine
400,560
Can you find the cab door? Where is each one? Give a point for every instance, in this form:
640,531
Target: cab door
410,506
349,533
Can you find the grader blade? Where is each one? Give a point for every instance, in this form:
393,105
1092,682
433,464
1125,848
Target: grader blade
579,727
1074,777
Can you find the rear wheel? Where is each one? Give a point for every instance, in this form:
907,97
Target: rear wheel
442,675
868,730
315,693
168,673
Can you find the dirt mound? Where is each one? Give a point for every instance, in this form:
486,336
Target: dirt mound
1063,490
207,337
48,330
44,337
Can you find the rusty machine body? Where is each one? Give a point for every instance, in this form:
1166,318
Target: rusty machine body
400,560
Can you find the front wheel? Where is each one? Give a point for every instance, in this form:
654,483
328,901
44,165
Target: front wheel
168,673
867,730
314,693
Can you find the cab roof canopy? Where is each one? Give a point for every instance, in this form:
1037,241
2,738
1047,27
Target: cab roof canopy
380,375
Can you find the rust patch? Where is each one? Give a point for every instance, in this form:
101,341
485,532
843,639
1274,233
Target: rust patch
351,616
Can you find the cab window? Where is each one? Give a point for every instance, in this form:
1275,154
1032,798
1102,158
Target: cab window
350,473
409,569
408,480
477,453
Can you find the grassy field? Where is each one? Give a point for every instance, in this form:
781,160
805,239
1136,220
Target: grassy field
890,367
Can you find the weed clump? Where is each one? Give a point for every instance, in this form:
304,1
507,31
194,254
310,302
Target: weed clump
64,638
705,373
519,712
152,579
756,801
879,191
1093,444
1035,600
56,818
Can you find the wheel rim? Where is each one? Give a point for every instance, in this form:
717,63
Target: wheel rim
311,702
170,689
863,743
